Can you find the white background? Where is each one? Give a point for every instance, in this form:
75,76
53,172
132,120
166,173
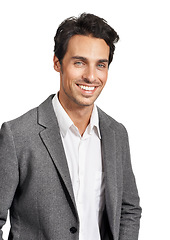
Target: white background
136,94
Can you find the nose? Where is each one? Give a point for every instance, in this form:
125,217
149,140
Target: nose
90,74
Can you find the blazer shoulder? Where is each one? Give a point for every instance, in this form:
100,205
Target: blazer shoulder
24,122
29,122
109,121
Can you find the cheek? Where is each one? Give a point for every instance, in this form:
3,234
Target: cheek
103,77
73,74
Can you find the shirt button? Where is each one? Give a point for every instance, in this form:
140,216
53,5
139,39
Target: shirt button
73,230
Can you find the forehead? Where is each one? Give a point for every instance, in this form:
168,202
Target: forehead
87,46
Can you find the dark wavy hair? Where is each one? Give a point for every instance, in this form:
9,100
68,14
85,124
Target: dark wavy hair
87,25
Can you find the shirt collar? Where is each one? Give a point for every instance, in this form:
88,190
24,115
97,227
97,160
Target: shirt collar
65,121
94,122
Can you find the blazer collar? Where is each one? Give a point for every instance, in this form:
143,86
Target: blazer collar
109,150
50,136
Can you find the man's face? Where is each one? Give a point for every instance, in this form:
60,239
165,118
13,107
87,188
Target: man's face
84,70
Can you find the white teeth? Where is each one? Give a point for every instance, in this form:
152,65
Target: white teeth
86,88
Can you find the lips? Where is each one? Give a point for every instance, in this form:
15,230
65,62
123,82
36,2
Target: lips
86,88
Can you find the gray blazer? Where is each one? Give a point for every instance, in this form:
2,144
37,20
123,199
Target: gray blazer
35,182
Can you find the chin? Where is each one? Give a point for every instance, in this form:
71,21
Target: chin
84,103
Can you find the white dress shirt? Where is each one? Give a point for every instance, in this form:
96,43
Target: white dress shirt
84,160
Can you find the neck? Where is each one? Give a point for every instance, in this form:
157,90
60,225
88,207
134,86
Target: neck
80,115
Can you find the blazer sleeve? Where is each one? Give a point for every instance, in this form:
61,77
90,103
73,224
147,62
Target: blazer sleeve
9,175
131,210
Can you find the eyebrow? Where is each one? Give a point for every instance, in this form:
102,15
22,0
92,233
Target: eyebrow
79,58
103,60
85,59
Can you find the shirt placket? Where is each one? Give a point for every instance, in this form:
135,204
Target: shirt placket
81,191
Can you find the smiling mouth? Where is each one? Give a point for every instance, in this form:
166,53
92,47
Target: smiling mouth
86,88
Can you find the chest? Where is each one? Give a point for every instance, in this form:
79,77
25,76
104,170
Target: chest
84,160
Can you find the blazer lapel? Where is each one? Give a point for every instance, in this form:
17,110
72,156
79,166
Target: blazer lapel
110,166
53,142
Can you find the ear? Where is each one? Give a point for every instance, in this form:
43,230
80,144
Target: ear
57,65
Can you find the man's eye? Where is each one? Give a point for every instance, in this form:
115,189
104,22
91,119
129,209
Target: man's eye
100,65
78,63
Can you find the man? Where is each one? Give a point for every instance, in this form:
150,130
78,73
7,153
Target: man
65,170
